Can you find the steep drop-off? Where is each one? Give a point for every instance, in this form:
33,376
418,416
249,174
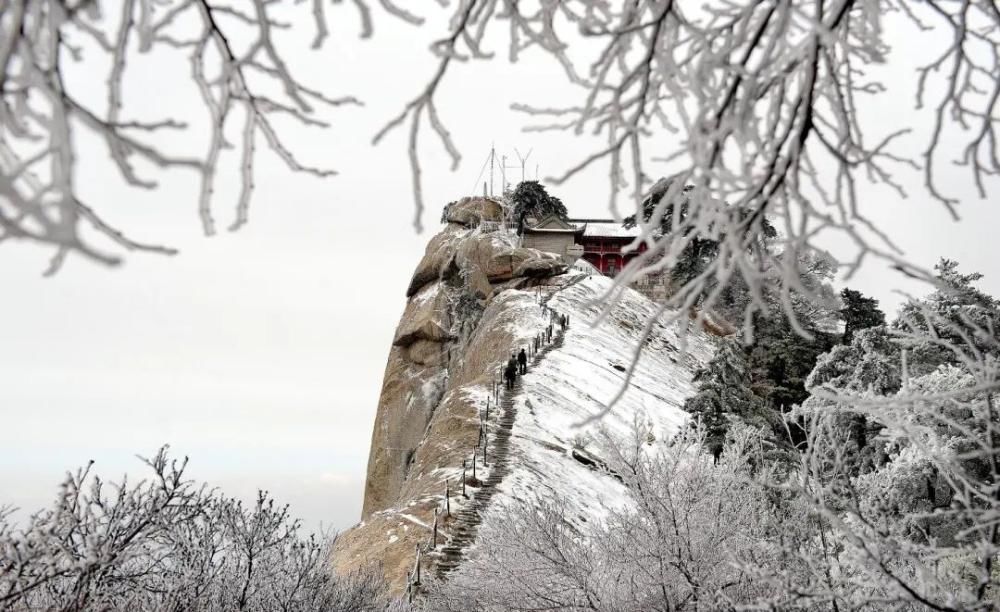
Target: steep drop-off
475,298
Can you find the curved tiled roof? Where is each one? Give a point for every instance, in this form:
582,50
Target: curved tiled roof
605,228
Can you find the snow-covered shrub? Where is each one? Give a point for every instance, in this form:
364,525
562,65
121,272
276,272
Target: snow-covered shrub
917,529
688,538
164,543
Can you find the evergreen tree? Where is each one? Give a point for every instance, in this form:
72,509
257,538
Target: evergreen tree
700,250
724,394
780,357
859,312
956,314
531,199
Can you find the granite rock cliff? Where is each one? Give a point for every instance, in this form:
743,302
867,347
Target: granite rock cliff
474,298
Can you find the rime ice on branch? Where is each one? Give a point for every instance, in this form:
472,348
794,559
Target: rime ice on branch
236,67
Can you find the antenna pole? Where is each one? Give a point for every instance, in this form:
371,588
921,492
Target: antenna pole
524,161
503,172
493,156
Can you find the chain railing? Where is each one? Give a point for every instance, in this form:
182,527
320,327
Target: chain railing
479,451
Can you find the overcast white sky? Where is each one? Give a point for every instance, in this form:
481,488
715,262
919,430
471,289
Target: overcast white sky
260,353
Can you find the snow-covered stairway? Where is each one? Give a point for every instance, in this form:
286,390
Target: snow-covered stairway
465,527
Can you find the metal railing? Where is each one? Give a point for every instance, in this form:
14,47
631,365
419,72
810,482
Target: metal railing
479,451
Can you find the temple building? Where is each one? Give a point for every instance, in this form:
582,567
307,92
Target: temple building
551,234
604,242
601,242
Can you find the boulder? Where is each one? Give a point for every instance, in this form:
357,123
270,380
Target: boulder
427,352
471,211
488,255
425,318
714,323
410,393
542,267
479,283
492,256
437,256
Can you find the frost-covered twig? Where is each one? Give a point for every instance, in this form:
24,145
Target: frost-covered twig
41,117
164,543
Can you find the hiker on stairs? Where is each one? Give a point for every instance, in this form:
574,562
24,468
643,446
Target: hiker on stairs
510,372
522,362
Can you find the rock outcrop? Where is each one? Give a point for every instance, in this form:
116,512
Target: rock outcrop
455,280
474,299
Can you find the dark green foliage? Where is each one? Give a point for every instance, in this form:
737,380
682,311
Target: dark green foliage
956,320
724,394
869,365
781,360
859,312
699,252
703,244
780,357
531,199
659,190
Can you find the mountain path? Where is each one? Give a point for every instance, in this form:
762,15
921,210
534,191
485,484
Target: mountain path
464,524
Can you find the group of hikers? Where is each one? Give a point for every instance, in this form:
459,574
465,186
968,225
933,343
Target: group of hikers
517,365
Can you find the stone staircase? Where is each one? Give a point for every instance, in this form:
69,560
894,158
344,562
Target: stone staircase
464,524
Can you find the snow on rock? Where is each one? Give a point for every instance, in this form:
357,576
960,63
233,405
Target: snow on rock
438,382
577,381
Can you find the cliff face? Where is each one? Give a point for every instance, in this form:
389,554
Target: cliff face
474,299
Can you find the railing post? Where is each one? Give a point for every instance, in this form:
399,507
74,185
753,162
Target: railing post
434,536
447,498
485,442
464,494
416,568
475,451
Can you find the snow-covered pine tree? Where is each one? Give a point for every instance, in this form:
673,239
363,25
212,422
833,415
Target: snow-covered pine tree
859,312
957,313
724,395
530,199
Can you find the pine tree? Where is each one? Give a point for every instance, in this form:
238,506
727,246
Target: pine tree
956,314
724,394
859,312
531,199
702,246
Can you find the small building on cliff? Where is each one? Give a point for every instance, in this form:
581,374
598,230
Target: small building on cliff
604,242
552,235
600,242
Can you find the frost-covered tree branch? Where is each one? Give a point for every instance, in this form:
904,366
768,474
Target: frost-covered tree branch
164,543
755,109
236,66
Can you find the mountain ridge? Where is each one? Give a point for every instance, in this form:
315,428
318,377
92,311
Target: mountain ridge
488,299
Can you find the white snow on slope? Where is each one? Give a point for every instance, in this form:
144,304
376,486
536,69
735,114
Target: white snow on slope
577,380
